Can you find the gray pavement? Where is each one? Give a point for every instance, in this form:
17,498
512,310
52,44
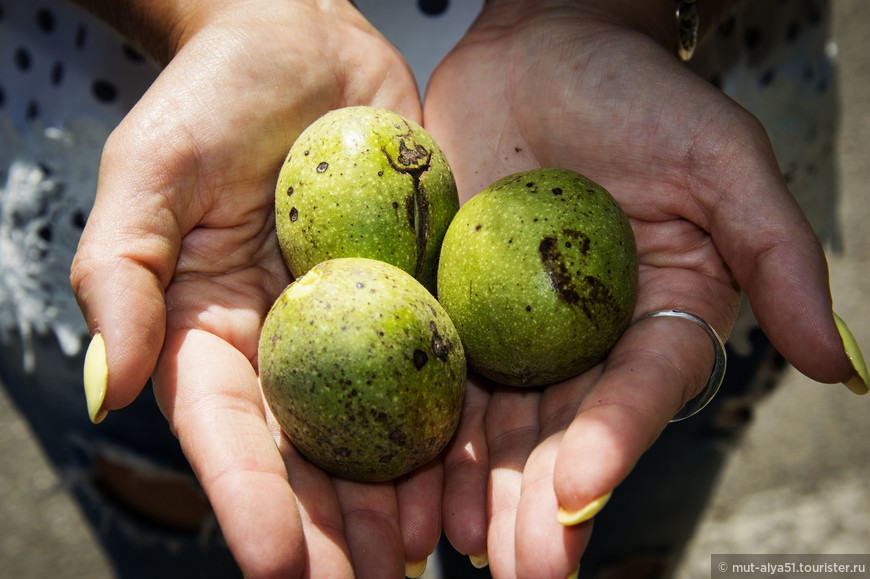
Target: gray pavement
42,532
797,482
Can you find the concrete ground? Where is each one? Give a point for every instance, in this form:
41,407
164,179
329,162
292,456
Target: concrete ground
798,482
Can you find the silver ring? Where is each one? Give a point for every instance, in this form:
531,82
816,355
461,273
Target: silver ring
695,405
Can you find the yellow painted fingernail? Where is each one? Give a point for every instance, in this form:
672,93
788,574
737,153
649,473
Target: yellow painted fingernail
479,561
859,383
571,518
575,574
415,569
96,376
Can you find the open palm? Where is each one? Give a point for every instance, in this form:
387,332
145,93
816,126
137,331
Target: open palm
697,177
179,264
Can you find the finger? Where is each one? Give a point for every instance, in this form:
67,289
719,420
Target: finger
125,260
655,368
512,430
466,472
114,281
545,549
328,554
371,528
122,302
419,501
211,396
774,254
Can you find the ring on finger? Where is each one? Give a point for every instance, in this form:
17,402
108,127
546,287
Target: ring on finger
697,403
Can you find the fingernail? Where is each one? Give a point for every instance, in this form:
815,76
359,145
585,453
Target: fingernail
575,574
415,569
479,561
96,376
571,518
859,383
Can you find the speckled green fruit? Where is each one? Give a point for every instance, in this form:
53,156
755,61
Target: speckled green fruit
365,182
363,369
539,274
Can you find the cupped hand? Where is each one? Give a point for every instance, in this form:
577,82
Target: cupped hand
179,264
564,86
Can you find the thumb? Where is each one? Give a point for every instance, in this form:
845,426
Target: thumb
123,305
779,262
787,285
125,260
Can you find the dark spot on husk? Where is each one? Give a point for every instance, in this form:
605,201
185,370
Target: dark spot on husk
289,191
342,451
387,458
415,162
557,191
397,436
294,214
410,212
322,167
408,156
440,346
554,264
420,359
572,236
585,292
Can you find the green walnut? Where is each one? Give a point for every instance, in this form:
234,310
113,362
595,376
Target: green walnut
365,182
363,369
539,274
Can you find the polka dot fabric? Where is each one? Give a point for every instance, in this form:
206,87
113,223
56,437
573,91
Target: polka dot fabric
66,81
58,62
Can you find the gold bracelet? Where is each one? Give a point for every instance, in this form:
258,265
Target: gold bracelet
687,28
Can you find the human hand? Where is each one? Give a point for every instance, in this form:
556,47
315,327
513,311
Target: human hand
594,91
179,264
